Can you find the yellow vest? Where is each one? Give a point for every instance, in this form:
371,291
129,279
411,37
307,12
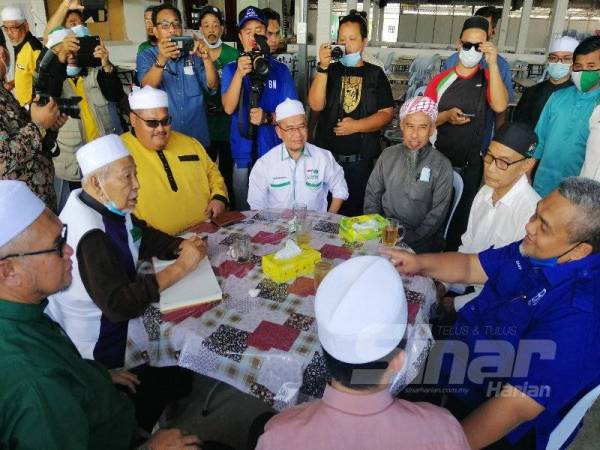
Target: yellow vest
90,127
196,176
25,68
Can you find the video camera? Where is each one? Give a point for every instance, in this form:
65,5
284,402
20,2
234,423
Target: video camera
259,57
337,51
68,106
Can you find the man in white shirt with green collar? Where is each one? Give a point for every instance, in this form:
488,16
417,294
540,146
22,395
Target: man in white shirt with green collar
296,171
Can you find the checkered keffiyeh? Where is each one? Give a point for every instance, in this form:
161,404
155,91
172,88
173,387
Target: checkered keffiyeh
419,104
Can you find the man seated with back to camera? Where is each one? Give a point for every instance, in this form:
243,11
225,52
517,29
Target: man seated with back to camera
252,121
354,100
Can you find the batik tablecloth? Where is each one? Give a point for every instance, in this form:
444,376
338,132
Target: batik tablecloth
266,345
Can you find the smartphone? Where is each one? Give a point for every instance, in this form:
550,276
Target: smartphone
185,44
85,54
466,115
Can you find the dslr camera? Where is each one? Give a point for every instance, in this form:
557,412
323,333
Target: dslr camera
68,106
337,51
259,57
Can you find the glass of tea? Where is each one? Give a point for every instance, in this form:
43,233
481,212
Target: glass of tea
392,233
303,228
322,268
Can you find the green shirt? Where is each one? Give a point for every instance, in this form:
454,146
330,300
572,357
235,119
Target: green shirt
51,398
144,45
218,121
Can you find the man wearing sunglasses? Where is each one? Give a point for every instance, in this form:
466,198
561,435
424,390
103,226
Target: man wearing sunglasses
50,397
503,206
180,184
26,51
467,94
185,77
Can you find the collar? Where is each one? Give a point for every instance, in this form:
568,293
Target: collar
361,405
512,195
20,46
570,270
23,312
90,201
468,77
285,154
590,94
421,152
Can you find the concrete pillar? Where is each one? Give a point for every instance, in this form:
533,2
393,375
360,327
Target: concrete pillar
323,22
351,4
400,18
377,16
380,24
504,25
557,20
524,26
300,26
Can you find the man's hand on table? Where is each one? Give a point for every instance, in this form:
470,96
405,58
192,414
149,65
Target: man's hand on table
173,439
191,252
124,378
405,262
215,208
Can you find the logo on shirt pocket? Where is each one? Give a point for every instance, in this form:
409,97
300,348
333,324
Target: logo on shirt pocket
280,182
314,185
186,158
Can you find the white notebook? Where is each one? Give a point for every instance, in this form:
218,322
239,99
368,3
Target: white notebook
197,287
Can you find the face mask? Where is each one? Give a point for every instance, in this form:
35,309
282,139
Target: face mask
215,45
550,262
73,71
81,30
585,79
558,70
469,58
351,59
112,206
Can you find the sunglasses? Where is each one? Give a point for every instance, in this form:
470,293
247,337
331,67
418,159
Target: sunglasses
58,248
469,45
154,123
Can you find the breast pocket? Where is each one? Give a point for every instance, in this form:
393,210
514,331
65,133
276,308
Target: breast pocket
279,187
420,191
191,83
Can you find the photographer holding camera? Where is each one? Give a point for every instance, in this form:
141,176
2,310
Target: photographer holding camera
27,139
185,73
94,115
251,89
355,102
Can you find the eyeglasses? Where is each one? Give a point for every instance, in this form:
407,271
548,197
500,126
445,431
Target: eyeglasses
154,123
166,25
58,248
500,163
12,29
469,45
299,128
564,59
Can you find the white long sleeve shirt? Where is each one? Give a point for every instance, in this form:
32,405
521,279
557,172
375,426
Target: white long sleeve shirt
591,165
278,181
497,224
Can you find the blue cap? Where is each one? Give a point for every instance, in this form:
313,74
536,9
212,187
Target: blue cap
251,13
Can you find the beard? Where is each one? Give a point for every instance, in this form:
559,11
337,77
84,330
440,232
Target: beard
410,159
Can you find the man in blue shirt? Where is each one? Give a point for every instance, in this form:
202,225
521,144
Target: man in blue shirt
235,89
563,128
183,77
492,15
536,321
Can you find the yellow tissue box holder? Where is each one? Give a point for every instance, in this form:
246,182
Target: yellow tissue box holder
282,270
348,233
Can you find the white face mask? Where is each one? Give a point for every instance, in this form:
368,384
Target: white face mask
469,58
215,45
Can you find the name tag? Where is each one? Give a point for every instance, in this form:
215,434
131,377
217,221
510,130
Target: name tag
188,70
184,158
425,174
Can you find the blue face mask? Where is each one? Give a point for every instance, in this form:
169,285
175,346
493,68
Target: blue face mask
558,70
351,59
550,262
112,207
73,71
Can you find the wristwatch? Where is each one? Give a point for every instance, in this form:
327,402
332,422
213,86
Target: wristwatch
160,66
268,118
321,69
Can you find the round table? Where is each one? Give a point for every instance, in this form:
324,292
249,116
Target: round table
267,345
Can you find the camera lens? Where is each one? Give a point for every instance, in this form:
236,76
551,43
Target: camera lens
337,53
261,66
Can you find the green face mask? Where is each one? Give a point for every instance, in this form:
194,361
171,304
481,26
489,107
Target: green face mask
585,80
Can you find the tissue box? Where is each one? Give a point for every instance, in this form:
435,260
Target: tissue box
351,235
281,270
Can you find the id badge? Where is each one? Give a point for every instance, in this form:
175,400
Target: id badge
188,69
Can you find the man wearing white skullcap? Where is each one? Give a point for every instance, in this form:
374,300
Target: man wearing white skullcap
50,397
109,243
295,170
26,47
361,315
534,98
180,184
412,181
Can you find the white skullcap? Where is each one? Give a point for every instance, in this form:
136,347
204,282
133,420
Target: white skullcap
12,13
288,108
100,152
148,98
19,208
57,35
361,311
563,44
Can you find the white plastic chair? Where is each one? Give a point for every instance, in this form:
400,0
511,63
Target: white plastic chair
565,428
457,185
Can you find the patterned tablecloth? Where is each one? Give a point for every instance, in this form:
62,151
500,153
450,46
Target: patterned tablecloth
268,345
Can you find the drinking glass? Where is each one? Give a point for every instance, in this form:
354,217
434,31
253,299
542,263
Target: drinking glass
392,233
240,249
322,268
303,229
300,210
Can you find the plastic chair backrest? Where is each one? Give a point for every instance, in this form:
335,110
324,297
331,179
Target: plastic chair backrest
457,185
565,428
